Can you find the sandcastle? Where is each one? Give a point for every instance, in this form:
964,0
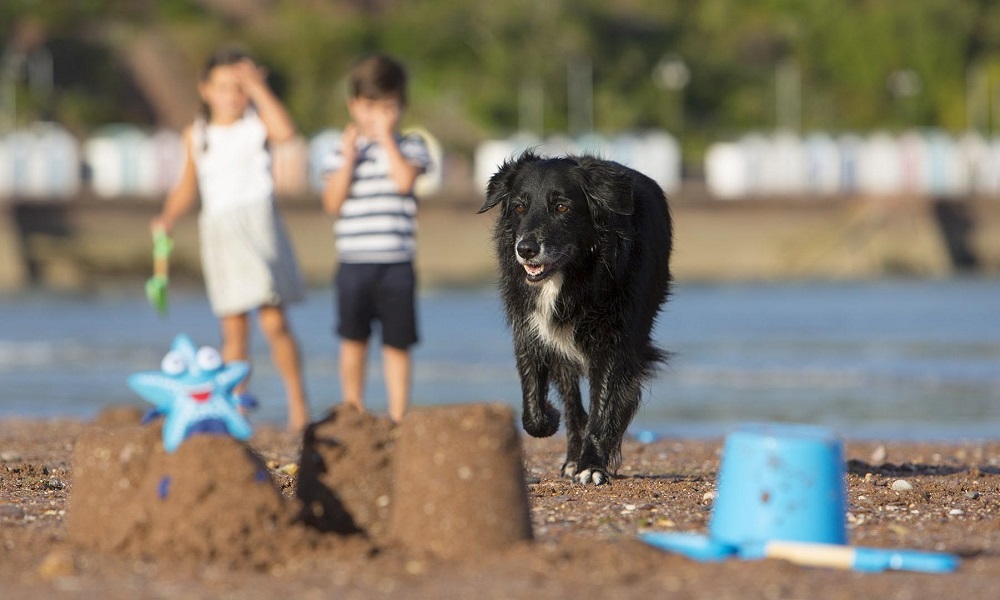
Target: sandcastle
446,482
459,481
212,499
345,474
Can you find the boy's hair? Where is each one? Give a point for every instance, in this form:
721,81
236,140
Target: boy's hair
378,77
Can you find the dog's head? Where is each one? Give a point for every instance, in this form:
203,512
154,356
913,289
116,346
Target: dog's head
554,210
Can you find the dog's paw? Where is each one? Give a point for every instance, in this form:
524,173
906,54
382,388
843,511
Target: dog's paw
595,476
542,425
569,469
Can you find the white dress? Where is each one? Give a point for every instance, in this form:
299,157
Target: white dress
247,259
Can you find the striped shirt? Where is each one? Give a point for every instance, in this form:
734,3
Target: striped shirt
377,224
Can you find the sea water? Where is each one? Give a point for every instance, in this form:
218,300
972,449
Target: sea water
879,359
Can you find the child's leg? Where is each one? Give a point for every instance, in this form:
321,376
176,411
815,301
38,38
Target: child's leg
397,310
353,354
285,354
397,367
235,337
235,341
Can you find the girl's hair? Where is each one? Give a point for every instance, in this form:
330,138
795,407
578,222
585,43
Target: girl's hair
223,56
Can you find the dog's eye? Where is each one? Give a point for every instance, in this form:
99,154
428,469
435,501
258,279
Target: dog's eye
562,207
519,208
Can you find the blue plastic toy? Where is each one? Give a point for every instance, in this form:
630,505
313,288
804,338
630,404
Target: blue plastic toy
781,493
194,391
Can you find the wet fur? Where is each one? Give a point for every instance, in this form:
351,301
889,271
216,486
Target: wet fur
604,232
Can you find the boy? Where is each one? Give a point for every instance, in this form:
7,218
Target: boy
369,188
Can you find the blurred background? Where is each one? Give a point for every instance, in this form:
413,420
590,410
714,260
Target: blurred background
833,168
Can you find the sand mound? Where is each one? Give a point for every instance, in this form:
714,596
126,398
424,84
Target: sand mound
459,481
345,473
118,415
448,482
211,499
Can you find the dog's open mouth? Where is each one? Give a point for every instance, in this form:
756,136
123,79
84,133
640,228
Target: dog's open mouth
535,273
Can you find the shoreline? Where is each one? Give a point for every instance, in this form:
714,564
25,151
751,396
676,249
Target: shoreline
924,432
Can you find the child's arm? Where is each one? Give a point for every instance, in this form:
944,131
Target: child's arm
338,183
280,127
403,173
183,196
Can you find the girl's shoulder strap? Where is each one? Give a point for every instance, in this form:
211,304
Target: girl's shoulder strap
199,136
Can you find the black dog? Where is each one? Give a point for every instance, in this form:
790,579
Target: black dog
584,251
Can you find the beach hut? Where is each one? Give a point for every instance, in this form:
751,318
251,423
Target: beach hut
561,144
168,150
123,162
988,183
727,170
822,165
914,162
971,148
492,153
6,171
593,144
944,174
321,145
880,170
658,155
40,162
849,145
756,149
783,168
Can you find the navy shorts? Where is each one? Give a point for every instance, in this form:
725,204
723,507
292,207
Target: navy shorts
376,292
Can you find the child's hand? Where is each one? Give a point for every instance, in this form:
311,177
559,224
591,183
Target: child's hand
348,143
385,117
159,223
251,76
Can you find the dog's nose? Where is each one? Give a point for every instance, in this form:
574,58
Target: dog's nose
527,248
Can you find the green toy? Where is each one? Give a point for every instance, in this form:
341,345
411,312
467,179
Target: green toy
156,286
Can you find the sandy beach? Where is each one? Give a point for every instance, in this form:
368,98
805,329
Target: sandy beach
584,538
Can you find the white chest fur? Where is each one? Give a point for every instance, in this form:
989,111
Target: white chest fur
559,337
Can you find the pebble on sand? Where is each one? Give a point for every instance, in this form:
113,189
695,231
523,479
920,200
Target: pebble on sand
901,485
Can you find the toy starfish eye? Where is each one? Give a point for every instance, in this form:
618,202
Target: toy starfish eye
173,363
208,358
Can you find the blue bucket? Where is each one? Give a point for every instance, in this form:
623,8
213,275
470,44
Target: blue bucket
780,482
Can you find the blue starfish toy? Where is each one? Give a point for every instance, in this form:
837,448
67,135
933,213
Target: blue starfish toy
195,392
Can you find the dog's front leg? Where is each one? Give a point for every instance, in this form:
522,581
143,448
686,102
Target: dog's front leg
567,381
614,399
539,417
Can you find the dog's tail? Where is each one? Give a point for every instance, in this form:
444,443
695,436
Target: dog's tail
654,359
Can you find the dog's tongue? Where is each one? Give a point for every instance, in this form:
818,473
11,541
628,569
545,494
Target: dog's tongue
534,270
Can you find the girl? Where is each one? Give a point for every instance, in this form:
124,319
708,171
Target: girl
247,260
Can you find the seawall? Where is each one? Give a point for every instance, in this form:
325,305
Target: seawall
86,241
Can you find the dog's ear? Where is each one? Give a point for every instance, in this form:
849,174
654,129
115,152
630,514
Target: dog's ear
605,185
500,186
